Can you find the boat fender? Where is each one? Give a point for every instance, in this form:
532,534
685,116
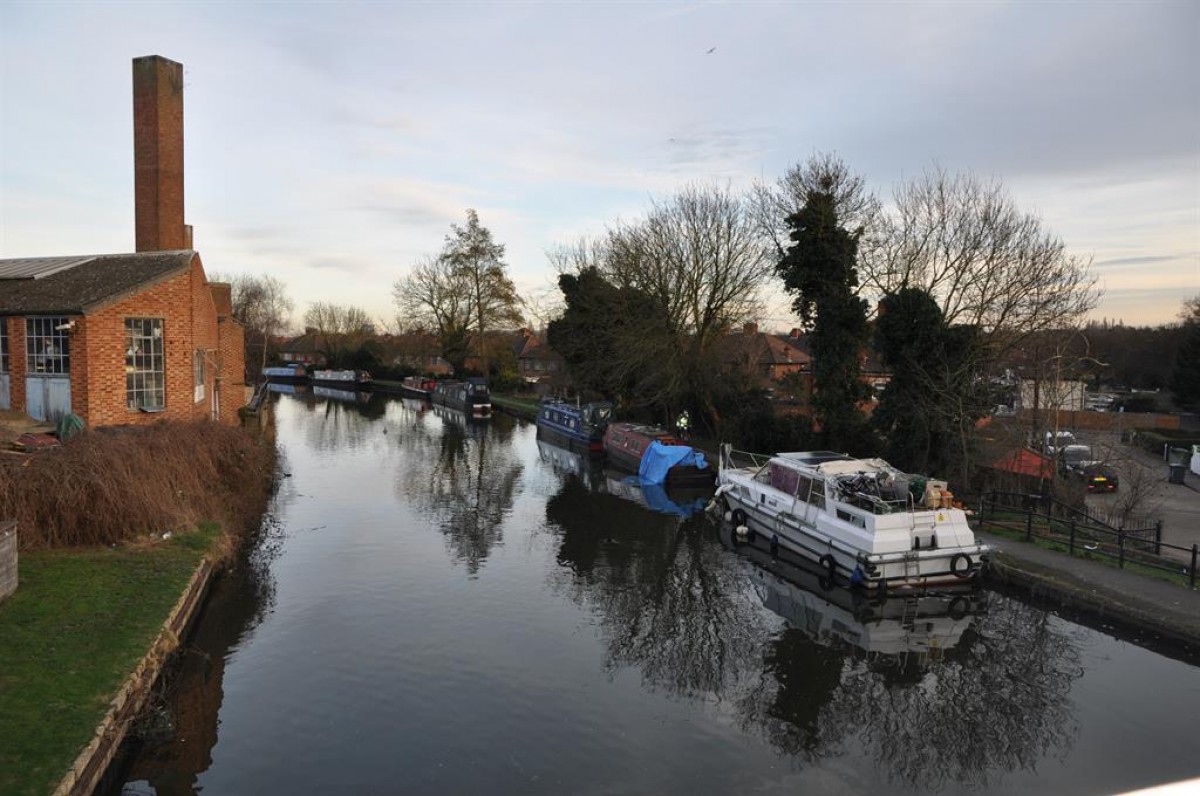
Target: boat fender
958,608
829,564
742,532
961,565
738,517
881,589
774,545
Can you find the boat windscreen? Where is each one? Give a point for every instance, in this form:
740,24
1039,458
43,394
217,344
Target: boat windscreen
601,413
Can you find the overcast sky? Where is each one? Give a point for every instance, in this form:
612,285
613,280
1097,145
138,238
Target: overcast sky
332,144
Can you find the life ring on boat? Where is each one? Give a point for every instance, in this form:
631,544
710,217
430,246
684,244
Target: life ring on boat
961,571
829,564
957,608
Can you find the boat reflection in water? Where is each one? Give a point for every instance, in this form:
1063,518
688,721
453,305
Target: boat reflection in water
345,396
287,388
680,502
904,629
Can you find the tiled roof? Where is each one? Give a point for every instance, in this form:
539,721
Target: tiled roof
76,285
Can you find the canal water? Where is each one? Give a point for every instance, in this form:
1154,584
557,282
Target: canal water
445,606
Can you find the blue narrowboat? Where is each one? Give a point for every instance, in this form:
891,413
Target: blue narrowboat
578,427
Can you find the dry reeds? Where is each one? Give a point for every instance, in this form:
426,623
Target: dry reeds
109,487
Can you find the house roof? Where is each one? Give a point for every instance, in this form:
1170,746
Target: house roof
78,285
1025,462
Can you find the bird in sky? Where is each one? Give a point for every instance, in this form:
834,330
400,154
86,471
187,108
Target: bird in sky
711,50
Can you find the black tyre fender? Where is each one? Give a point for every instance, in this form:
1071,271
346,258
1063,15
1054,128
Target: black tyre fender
830,566
774,545
739,518
961,566
957,608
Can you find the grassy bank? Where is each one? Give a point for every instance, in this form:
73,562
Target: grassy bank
521,407
70,635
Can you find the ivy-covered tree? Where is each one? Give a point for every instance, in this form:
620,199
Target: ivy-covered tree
934,396
1185,381
611,338
819,269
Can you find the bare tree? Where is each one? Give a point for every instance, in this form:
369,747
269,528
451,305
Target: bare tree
262,305
463,289
990,265
478,264
339,328
699,257
771,204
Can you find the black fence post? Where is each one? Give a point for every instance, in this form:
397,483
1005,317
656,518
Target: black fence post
1192,572
1029,523
1071,545
1158,538
1121,549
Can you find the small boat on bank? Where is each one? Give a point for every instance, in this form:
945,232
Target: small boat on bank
631,446
294,371
574,426
419,386
345,379
859,518
469,397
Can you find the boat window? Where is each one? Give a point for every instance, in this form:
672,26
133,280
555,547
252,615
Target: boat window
784,479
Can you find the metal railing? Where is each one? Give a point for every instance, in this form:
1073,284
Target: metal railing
1052,520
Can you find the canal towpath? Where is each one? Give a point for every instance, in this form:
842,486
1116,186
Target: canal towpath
1117,596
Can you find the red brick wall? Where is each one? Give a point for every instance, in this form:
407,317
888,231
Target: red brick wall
158,154
232,342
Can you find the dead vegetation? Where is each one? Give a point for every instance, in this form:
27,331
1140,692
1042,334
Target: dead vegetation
118,486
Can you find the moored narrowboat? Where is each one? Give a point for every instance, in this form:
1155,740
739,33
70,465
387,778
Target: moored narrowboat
293,371
346,379
626,446
470,397
418,386
579,427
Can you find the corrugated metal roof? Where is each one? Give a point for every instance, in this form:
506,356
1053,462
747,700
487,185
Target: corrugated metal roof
38,267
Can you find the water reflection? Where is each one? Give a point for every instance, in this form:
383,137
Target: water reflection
460,473
602,646
591,472
173,743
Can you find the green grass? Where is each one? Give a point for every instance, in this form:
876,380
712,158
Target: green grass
76,627
1014,528
525,407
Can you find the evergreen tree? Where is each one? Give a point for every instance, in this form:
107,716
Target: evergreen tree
819,269
1185,381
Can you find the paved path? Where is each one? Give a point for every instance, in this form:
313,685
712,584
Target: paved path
1132,601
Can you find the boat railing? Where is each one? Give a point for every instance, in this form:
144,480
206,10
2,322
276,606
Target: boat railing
740,460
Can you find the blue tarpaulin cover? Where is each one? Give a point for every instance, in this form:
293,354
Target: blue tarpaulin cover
659,458
658,500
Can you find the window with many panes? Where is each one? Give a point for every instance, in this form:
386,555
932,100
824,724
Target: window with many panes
47,346
145,377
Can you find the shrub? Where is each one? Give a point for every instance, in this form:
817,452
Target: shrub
108,487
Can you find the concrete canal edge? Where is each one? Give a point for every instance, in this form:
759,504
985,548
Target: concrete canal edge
1117,597
92,763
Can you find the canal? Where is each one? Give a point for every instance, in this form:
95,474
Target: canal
441,606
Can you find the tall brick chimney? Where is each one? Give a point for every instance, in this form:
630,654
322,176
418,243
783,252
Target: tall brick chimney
158,155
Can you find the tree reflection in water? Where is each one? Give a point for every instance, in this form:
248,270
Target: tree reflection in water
460,476
981,696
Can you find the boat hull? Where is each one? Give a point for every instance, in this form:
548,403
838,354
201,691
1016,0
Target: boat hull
858,519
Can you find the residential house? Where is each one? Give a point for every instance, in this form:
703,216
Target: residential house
126,338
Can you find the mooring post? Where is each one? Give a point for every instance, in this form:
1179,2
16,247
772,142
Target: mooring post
1071,543
1192,573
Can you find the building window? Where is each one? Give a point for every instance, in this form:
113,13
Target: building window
47,345
198,376
3,345
144,373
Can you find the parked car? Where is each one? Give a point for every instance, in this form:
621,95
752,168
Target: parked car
1098,478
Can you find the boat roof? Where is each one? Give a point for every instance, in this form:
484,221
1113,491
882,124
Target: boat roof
830,463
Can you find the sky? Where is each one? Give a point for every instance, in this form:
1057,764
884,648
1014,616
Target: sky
332,145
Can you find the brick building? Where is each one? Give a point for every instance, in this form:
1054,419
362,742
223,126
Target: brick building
126,338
